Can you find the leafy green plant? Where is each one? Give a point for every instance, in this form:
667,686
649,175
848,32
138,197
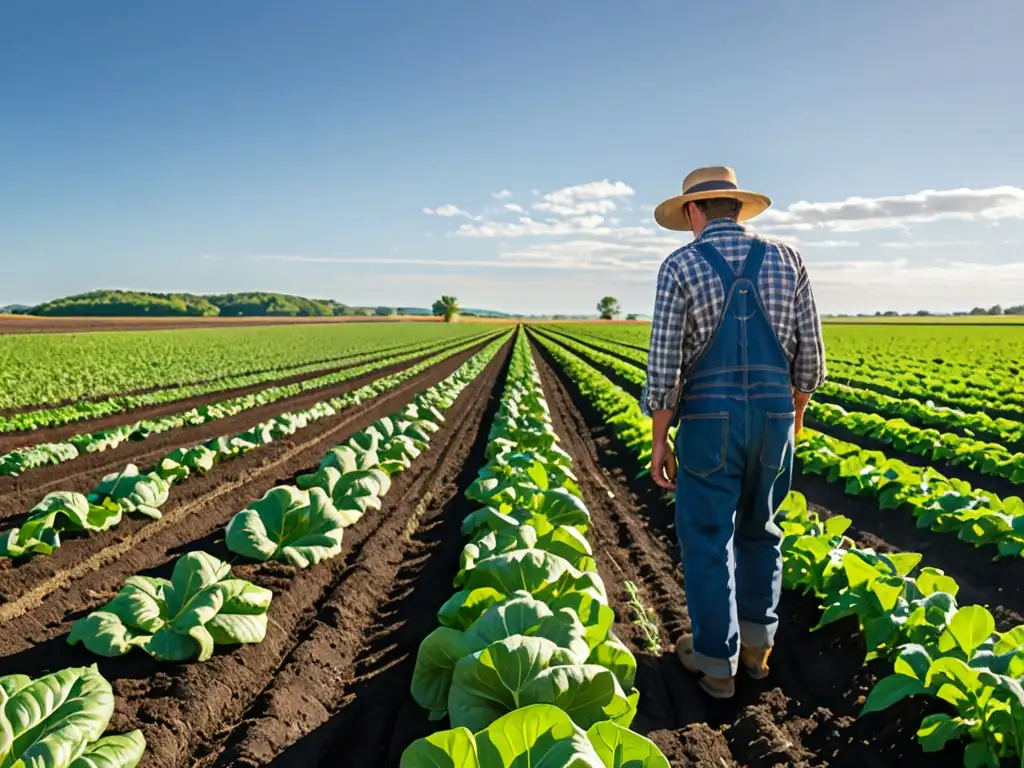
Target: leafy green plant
58,720
178,619
540,735
644,619
58,511
300,527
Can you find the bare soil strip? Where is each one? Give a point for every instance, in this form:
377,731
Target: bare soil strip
187,712
101,562
805,714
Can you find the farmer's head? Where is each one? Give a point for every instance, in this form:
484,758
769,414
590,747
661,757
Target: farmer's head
700,212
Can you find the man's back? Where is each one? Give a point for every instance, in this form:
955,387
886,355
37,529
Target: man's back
690,300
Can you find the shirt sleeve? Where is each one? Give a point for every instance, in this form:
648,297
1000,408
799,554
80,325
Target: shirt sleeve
809,370
662,389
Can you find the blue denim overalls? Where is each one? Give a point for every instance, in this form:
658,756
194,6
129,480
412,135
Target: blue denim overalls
735,450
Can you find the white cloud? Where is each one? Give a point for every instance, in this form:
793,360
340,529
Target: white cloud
448,210
831,243
502,195
856,214
947,243
514,208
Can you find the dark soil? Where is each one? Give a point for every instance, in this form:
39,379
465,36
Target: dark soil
805,713
285,685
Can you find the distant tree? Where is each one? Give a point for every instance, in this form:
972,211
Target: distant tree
878,313
890,313
608,307
979,311
922,313
446,307
996,310
1017,309
385,311
631,316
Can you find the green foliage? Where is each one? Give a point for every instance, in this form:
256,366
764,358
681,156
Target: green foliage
608,307
536,734
118,303
99,368
446,307
58,720
530,625
178,619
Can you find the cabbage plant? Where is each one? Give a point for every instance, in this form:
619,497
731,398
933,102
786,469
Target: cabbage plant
178,619
299,527
539,735
57,721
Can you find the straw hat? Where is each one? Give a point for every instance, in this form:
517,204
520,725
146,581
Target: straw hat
703,184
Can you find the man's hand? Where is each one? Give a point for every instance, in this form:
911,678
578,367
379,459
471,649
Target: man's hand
800,400
663,465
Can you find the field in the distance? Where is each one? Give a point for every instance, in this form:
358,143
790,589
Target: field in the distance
915,441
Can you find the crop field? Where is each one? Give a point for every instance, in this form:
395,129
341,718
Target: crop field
427,544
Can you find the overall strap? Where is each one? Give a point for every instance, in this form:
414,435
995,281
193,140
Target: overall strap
718,263
755,258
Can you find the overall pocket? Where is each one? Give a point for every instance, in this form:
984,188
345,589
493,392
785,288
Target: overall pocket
778,436
702,441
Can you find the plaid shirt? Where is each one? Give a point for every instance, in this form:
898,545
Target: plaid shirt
690,299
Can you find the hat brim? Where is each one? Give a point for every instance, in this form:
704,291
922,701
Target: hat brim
670,214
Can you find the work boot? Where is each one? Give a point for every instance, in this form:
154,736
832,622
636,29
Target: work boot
755,661
716,687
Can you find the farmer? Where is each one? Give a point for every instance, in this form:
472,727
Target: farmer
736,351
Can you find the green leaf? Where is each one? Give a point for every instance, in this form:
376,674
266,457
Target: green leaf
970,627
51,720
619,747
539,735
445,749
934,580
118,751
889,691
302,528
436,658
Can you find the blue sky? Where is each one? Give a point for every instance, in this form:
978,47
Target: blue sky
296,146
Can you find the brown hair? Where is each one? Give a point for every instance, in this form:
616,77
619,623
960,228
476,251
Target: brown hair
720,208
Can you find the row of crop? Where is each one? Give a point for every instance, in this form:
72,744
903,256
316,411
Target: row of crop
928,413
990,376
938,648
525,664
987,458
54,417
939,503
133,491
54,368
57,720
1007,430
928,386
